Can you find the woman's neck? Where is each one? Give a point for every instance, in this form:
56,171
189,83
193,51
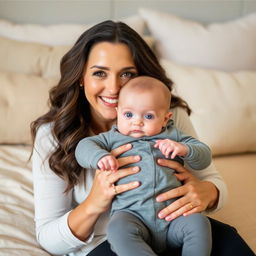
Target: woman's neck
98,127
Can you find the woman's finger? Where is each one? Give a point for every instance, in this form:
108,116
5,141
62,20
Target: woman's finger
115,176
182,173
120,150
171,194
193,210
183,176
172,164
184,206
176,206
183,211
125,187
122,161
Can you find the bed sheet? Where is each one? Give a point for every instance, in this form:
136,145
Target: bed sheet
17,232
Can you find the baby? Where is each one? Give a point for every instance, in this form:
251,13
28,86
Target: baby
143,119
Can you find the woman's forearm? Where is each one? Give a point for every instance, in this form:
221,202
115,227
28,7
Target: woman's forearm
213,193
82,219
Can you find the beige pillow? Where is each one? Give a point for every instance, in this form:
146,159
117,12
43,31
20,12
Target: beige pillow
34,58
223,105
23,98
50,62
57,34
22,57
31,58
228,46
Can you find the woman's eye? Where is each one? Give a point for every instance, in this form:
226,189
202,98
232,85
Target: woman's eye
149,116
128,75
99,73
128,114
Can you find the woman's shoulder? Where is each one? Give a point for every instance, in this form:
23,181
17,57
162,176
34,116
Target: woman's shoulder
182,121
44,135
179,113
44,129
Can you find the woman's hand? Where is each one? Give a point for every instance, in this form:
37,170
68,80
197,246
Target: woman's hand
103,189
195,195
82,219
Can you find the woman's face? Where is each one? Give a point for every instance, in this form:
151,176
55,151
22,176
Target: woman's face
108,68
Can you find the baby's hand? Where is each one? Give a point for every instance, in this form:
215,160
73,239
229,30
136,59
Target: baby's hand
108,162
170,146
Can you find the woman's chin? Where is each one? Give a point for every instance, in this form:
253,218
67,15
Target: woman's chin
110,117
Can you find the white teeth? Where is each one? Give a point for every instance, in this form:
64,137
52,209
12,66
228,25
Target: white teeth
111,101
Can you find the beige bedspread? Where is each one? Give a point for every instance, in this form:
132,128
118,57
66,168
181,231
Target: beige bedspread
17,235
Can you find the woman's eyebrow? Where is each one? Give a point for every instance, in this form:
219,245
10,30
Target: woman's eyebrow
106,68
99,67
128,68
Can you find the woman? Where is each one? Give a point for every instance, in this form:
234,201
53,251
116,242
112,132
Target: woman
71,204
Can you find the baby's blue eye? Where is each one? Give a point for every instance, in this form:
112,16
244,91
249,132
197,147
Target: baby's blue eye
128,114
149,116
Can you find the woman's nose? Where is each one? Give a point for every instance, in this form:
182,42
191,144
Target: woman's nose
113,85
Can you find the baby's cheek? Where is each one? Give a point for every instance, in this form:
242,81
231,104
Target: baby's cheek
123,128
153,129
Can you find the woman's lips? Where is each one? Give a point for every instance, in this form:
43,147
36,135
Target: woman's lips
111,102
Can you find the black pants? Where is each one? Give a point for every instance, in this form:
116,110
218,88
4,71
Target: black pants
226,241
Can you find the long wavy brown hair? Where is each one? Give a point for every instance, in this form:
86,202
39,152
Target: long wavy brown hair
69,111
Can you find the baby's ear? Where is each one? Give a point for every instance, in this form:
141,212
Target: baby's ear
167,117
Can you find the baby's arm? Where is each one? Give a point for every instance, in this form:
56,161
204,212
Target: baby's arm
168,146
91,149
108,162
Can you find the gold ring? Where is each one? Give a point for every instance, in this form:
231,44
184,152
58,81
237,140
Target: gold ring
191,206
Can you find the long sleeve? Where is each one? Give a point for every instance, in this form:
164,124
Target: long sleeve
52,206
199,154
91,149
210,173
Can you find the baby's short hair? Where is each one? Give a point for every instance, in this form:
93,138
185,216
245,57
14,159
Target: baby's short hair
142,83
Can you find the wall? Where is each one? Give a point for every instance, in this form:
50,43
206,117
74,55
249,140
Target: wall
90,11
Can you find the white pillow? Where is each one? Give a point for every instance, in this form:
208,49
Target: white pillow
61,34
228,46
223,105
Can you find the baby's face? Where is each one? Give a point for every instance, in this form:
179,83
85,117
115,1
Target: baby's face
141,114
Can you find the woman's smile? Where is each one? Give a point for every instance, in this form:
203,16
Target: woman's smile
109,101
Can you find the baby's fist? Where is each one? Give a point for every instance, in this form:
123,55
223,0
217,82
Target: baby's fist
172,147
108,162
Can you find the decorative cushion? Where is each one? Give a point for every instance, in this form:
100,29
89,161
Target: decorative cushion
228,46
223,105
34,58
59,34
23,98
31,58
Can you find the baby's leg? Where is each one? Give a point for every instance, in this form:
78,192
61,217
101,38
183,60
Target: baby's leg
192,233
128,235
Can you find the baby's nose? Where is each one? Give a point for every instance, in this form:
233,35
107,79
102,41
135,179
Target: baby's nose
138,122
